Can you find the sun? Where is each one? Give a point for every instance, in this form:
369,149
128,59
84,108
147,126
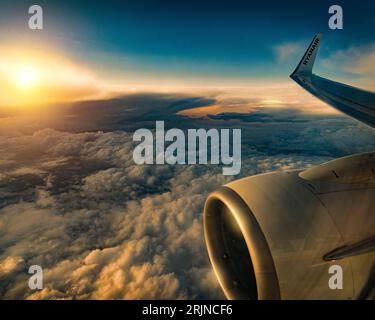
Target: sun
26,78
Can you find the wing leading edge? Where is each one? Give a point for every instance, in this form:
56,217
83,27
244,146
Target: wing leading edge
355,102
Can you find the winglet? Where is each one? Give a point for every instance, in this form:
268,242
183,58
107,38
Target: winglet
306,64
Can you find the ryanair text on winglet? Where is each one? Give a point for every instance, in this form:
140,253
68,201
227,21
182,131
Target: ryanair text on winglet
311,51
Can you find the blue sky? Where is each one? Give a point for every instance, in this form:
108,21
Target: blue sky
192,39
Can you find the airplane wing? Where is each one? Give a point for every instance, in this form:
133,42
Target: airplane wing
355,102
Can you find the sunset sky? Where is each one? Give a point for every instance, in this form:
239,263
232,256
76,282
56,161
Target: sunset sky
90,51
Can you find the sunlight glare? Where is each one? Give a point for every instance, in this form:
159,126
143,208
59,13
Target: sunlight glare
26,78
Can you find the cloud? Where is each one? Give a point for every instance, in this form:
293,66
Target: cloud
268,114
117,232
118,113
141,109
285,95
357,62
102,227
10,264
288,52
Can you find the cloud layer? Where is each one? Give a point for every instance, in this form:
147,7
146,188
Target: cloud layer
104,228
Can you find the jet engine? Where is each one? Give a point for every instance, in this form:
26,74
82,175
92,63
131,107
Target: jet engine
282,235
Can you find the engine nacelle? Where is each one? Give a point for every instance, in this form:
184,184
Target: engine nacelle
276,235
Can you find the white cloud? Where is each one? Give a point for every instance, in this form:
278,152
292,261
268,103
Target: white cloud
288,52
358,61
104,228
115,233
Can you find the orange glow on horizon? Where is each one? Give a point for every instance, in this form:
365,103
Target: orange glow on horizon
32,77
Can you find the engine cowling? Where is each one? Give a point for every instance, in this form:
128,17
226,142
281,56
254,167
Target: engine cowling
276,235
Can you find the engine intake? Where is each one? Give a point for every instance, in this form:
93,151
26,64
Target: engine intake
272,236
